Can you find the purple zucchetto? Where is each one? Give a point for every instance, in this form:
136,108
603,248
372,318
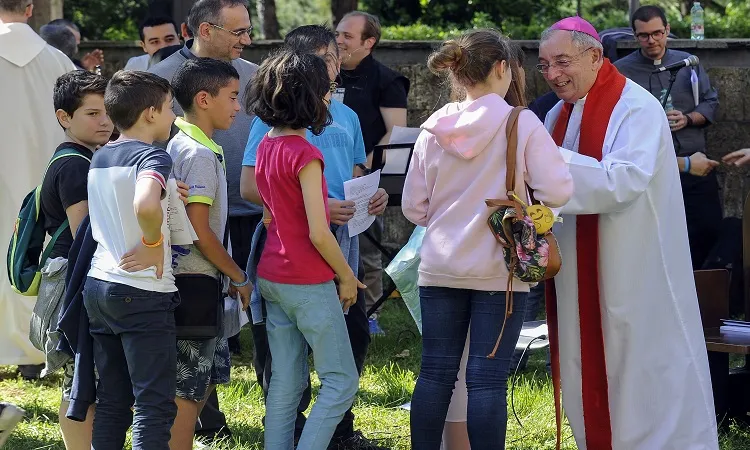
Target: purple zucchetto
576,24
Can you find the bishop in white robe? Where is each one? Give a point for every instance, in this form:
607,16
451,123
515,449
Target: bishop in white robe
632,356
30,133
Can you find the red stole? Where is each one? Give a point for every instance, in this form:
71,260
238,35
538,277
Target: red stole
600,103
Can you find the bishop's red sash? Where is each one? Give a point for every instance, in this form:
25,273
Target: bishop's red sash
600,103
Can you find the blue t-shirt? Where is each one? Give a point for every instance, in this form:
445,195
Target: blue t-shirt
341,144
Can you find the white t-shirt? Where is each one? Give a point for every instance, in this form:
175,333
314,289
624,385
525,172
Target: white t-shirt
115,169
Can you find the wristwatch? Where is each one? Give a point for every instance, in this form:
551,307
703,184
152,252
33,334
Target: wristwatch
689,120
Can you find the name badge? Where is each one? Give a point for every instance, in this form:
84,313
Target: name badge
338,94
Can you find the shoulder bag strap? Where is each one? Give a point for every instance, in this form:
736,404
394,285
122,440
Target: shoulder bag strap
511,134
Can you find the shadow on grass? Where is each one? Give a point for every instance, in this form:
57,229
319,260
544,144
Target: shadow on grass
37,442
242,434
392,398
39,412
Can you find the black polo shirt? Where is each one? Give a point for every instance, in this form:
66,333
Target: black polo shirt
369,87
63,186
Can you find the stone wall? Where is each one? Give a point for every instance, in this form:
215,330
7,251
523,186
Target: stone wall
727,62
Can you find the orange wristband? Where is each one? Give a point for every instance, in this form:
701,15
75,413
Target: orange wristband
154,245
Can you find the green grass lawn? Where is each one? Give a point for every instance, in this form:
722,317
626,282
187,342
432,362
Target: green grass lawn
390,373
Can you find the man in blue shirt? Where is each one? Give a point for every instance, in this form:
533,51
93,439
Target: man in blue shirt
343,151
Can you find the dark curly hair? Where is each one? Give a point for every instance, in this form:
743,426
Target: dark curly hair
288,91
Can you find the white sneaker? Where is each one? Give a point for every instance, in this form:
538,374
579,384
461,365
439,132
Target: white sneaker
10,415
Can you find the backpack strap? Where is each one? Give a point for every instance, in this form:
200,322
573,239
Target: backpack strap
48,250
62,153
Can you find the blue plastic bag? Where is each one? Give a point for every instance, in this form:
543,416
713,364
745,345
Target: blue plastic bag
403,270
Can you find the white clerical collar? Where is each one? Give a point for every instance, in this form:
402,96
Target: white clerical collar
657,62
19,44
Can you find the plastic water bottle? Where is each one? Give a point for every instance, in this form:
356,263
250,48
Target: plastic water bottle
696,22
668,106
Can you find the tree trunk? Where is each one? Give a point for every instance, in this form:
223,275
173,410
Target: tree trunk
340,7
269,23
45,11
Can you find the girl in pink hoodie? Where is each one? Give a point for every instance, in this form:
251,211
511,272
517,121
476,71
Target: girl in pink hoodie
458,162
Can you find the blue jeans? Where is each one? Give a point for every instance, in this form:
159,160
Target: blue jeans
298,315
135,351
446,314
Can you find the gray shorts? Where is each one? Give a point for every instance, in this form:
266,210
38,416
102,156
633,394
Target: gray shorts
67,381
201,364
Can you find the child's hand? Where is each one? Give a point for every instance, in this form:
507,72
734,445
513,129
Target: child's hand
142,257
244,291
184,190
348,291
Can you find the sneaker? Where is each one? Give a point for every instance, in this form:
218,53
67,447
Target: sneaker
31,372
375,329
10,415
356,442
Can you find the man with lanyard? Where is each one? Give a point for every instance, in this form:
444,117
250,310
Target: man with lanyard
695,104
378,95
222,30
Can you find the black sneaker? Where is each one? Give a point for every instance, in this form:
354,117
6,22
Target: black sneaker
30,372
356,442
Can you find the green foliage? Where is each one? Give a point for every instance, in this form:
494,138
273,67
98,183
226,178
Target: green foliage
431,19
293,13
735,23
106,19
394,12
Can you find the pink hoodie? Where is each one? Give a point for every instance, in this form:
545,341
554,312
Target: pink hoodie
458,162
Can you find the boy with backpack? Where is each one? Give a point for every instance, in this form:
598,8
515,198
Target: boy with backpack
56,208
130,293
207,90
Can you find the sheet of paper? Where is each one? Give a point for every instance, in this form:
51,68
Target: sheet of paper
360,191
404,135
397,161
180,229
694,85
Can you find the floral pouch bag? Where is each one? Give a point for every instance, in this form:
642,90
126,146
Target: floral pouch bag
530,249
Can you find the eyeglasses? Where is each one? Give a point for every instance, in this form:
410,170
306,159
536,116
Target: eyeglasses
563,63
237,34
657,35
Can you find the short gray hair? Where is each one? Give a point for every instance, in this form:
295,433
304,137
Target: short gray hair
60,37
582,41
14,6
209,11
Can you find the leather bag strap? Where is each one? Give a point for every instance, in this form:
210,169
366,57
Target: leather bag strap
511,134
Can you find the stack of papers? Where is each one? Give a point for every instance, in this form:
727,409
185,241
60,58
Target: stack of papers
735,326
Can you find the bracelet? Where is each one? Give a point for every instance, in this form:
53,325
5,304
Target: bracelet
687,165
155,244
243,284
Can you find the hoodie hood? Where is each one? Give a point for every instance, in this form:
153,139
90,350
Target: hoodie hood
19,44
465,129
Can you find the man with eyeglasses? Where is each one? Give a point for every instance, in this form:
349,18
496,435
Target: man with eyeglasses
221,30
378,95
625,329
688,118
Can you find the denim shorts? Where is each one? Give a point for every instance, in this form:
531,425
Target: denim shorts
201,364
